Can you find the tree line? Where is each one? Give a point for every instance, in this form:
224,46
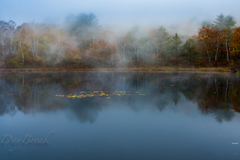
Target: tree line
83,43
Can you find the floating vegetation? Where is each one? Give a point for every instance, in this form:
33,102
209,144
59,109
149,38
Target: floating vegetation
107,94
59,95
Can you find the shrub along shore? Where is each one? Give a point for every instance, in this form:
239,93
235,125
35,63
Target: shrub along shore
163,69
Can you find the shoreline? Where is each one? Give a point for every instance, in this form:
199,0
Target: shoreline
163,69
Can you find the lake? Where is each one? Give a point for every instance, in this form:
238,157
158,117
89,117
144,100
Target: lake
119,116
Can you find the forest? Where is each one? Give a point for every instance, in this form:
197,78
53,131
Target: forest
83,43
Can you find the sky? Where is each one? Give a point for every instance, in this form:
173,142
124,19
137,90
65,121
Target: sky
124,13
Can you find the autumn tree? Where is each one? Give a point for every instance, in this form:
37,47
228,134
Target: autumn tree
206,42
225,26
236,49
102,54
236,41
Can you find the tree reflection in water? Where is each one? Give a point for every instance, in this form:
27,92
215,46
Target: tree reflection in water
85,94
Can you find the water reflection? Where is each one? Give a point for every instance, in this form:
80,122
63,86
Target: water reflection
83,95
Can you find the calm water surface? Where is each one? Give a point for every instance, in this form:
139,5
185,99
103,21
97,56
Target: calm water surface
119,116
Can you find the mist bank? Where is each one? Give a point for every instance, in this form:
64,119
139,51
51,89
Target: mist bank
81,43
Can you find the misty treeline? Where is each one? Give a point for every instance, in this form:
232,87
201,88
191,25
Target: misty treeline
83,43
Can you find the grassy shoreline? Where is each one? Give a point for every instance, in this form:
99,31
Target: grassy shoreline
163,69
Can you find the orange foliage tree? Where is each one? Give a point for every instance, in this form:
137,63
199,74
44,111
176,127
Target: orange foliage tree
102,54
236,47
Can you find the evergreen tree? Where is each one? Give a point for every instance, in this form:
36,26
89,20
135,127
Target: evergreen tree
189,52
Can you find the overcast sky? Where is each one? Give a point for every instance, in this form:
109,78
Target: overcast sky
120,12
